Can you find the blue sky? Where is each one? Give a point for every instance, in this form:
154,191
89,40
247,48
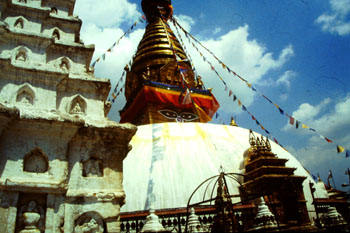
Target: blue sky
295,52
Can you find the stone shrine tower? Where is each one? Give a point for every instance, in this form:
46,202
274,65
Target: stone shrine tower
161,78
60,157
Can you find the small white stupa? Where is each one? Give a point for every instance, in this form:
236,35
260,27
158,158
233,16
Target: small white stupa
193,222
264,217
152,223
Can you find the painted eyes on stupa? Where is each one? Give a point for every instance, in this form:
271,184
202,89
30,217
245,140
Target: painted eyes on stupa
179,117
168,113
188,116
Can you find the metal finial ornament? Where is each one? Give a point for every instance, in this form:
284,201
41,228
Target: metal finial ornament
268,144
154,9
252,140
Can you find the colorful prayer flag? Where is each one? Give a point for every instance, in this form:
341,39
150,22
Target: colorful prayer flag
253,117
239,103
267,131
234,97
230,93
297,124
104,56
281,111
253,89
340,149
347,154
312,129
291,120
249,85
187,98
114,96
304,126
216,115
328,140
267,99
244,108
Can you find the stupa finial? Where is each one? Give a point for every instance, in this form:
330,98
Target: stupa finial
154,9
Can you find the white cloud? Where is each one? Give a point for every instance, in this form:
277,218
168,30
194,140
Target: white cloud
285,79
337,21
185,21
307,112
106,13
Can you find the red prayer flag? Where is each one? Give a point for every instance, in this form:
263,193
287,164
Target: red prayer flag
291,120
328,140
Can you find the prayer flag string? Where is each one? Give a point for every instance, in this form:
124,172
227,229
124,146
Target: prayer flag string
292,120
235,98
117,92
110,49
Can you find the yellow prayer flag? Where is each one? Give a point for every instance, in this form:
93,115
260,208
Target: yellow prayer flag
239,103
276,106
340,149
304,126
249,85
223,65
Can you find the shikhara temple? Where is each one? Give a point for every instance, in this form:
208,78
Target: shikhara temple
66,167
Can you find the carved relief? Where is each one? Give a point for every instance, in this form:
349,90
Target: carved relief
54,10
19,23
35,161
65,65
25,95
93,168
77,106
21,55
56,34
90,222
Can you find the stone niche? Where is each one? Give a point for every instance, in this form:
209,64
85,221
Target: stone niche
35,161
90,222
31,213
93,167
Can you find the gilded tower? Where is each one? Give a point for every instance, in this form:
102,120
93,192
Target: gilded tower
161,85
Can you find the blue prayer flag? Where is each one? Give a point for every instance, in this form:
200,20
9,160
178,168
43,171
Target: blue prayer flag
281,111
347,154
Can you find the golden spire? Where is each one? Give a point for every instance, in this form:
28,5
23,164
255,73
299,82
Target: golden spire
159,55
160,84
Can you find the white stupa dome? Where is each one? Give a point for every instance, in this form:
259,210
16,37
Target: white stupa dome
169,160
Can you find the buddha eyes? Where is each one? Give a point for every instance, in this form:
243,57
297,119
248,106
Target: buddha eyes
168,113
188,116
180,117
